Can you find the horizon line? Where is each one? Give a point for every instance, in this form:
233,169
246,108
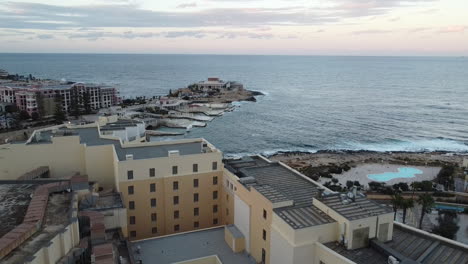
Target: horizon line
227,54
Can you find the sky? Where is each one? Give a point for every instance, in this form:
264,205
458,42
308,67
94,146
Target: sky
283,27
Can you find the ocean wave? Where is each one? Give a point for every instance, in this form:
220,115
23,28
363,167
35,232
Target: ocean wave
439,144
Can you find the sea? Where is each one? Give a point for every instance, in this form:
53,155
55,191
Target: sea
310,103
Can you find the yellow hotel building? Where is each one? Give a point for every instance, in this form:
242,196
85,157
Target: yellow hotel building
184,204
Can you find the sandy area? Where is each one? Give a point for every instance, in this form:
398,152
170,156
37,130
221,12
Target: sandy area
360,172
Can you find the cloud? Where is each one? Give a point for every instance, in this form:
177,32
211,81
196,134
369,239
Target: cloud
43,16
217,34
453,29
187,5
371,31
45,36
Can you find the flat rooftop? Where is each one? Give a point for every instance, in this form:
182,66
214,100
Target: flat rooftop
279,183
56,218
186,246
90,136
14,201
361,207
302,217
410,246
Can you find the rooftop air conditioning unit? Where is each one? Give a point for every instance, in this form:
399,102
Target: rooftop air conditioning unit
392,260
129,157
173,153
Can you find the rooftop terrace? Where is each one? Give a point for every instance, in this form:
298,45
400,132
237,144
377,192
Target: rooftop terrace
90,137
14,201
278,183
361,207
409,247
192,245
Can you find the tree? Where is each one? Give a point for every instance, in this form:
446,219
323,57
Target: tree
75,103
396,201
24,115
427,202
87,103
406,204
40,104
35,116
447,224
59,114
349,184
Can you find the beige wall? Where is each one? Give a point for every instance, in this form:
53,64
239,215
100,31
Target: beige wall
64,156
100,165
328,256
164,193
256,203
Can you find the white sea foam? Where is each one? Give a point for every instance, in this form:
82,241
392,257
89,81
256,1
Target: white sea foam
412,146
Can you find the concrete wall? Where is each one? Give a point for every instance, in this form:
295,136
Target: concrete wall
164,194
325,255
242,219
64,156
205,260
100,165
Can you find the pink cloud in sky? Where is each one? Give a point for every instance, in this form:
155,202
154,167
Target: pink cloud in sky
454,29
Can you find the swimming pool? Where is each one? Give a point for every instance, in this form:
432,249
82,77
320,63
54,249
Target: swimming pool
402,173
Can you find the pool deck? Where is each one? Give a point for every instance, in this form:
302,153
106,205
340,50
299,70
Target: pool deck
360,173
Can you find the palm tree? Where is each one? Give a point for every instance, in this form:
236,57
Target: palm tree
396,201
406,204
427,202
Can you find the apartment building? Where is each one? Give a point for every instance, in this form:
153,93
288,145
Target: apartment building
167,187
178,201
31,98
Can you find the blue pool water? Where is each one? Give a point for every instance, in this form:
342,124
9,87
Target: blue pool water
402,173
448,207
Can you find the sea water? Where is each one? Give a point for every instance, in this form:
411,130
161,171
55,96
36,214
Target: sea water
312,102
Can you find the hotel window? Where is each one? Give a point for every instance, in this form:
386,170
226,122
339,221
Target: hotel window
154,230
174,170
215,221
195,197
214,165
215,208
131,205
130,175
130,190
152,187
264,214
132,220
195,183
176,214
176,228
175,185
215,195
132,233
152,172
227,197
263,255
195,167
153,217
227,211
264,234
175,199
195,211
215,180
196,224
153,202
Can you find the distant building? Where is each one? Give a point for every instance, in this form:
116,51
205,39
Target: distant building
3,74
42,98
213,84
